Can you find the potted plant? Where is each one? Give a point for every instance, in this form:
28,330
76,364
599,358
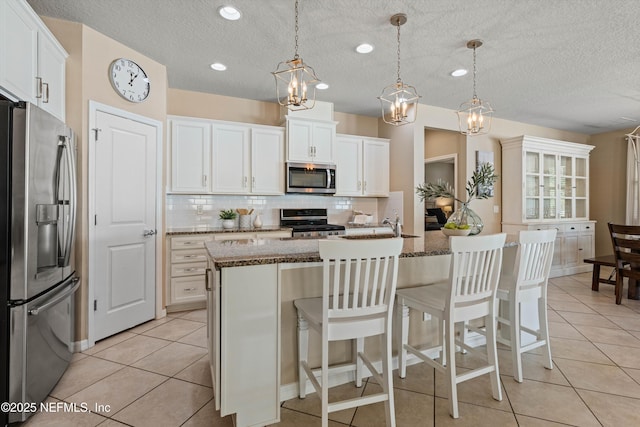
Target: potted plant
228,217
480,186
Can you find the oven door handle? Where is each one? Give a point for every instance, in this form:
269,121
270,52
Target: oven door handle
75,283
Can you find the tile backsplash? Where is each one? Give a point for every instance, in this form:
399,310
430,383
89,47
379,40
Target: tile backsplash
192,210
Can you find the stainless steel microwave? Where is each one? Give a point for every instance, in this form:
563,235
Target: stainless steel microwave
309,178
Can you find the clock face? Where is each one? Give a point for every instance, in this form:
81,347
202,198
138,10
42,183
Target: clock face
129,80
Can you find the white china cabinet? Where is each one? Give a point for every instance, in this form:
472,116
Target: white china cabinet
545,184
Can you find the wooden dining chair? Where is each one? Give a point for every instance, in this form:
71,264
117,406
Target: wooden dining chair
626,249
359,280
469,293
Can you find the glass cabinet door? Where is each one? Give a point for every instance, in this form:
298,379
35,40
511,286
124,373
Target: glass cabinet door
565,189
580,187
533,185
549,187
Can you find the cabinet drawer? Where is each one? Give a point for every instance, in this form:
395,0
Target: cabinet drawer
189,256
188,269
579,226
189,242
186,289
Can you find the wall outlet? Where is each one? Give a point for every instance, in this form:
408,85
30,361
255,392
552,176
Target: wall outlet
496,208
199,210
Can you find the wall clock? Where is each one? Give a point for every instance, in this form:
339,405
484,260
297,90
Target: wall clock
129,80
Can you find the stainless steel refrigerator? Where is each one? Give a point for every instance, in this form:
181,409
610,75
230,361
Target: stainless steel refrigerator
37,270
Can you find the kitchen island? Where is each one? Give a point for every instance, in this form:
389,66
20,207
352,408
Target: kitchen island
252,320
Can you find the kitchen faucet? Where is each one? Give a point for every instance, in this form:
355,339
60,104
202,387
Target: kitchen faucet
397,227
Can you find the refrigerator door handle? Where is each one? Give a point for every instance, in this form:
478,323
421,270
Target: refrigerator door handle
71,174
75,283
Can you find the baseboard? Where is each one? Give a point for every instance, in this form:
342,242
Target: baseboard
79,346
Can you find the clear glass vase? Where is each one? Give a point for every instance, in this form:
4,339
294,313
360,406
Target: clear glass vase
466,216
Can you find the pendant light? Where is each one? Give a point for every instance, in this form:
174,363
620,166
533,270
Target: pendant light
295,80
399,102
474,116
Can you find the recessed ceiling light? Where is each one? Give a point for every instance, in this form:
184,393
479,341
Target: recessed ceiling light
364,48
322,86
218,66
459,72
229,12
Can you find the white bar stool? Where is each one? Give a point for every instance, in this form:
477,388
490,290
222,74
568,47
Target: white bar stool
358,289
468,294
528,284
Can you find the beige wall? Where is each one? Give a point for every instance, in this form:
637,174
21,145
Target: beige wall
408,153
87,78
607,184
219,107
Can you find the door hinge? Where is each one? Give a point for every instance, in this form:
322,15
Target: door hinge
95,220
95,133
95,305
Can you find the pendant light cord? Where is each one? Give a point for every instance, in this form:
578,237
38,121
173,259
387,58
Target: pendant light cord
475,96
399,79
296,29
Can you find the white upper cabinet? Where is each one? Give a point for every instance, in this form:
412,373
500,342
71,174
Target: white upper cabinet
310,141
190,156
214,157
548,180
362,166
267,160
32,62
231,159
51,76
348,165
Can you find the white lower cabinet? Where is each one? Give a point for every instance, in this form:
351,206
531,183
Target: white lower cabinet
575,241
243,319
187,264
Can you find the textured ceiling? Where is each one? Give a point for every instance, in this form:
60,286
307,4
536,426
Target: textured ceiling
564,64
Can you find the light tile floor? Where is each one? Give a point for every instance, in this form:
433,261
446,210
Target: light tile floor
157,374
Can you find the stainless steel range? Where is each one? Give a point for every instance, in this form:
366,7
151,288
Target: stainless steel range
309,223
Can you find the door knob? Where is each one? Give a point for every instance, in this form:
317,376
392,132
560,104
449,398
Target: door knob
147,233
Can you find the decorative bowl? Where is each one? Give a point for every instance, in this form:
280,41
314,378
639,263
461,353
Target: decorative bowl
456,231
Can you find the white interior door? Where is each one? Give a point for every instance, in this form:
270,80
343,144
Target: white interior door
125,224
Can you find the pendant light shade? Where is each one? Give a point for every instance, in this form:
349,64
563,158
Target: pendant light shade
474,116
295,80
399,101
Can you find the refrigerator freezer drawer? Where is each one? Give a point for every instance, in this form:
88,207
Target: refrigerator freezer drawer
41,345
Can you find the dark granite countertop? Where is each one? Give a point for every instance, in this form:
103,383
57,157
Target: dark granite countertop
239,253
208,229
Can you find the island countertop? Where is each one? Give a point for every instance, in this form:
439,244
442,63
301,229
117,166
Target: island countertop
208,229
239,253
